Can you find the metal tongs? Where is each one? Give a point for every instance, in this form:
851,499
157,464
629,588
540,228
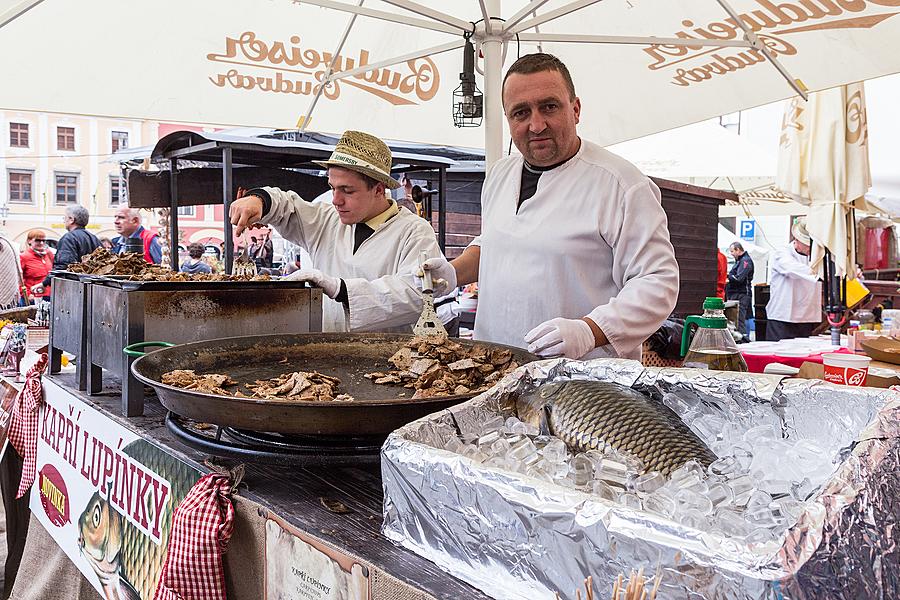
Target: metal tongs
243,266
428,324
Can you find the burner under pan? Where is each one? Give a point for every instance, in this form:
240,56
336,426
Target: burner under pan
295,450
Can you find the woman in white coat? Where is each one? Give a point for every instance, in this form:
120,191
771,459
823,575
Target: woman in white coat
363,246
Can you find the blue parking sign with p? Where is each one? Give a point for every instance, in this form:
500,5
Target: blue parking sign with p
748,229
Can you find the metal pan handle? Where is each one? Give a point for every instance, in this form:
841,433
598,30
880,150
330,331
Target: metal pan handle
135,349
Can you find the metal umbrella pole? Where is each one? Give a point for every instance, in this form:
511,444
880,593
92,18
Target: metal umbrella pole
835,296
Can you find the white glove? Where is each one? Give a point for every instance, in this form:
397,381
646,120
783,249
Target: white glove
443,275
571,338
37,289
330,285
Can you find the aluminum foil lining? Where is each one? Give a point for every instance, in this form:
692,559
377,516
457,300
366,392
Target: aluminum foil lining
516,537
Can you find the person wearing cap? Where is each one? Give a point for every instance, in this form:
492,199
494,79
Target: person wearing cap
362,245
795,293
574,257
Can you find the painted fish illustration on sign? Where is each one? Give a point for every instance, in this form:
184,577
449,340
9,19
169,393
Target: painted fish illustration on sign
125,559
586,415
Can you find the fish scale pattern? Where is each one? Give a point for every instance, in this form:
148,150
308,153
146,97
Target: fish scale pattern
586,415
142,559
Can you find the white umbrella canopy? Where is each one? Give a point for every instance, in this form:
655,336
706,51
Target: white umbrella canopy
257,62
824,163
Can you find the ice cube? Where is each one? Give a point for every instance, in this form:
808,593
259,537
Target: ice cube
731,523
557,470
802,489
720,495
760,515
648,482
694,519
776,487
660,502
742,486
760,433
759,498
582,470
555,451
453,444
488,438
630,500
613,471
681,404
500,448
523,449
471,451
743,454
687,499
604,490
708,427
538,473
494,423
726,465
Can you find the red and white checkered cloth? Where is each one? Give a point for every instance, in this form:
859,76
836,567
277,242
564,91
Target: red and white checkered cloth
23,427
201,527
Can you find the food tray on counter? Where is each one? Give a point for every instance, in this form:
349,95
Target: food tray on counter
126,283
517,536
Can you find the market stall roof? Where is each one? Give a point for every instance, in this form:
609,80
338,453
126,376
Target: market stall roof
268,152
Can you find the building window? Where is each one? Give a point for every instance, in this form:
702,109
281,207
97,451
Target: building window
66,189
65,138
18,135
186,211
116,190
20,187
119,140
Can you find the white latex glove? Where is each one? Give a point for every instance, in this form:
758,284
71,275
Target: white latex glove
571,338
330,285
443,275
37,289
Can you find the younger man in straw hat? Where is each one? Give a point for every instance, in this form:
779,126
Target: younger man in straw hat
363,246
795,295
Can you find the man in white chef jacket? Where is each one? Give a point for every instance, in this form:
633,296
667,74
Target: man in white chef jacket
795,293
362,245
574,257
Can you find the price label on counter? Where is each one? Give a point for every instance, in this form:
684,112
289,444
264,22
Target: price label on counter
299,567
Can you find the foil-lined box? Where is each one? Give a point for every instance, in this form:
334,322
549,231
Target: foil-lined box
514,536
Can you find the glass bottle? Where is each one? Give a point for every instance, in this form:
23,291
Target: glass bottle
712,346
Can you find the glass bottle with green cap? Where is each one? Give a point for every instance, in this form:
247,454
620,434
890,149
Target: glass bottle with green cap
712,346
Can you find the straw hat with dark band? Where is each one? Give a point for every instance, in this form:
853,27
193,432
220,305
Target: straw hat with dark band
364,154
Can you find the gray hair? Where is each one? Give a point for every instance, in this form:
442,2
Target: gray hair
736,246
79,214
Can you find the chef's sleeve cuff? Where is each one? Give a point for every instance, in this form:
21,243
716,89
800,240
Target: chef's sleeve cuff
263,195
342,295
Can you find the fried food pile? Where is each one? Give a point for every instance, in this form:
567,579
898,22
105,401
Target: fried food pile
102,262
212,383
442,367
300,386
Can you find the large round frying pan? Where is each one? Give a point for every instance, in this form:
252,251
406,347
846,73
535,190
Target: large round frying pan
377,410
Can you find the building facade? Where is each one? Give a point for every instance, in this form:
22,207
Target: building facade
49,161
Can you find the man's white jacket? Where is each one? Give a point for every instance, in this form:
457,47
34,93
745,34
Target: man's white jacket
381,290
593,241
795,294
